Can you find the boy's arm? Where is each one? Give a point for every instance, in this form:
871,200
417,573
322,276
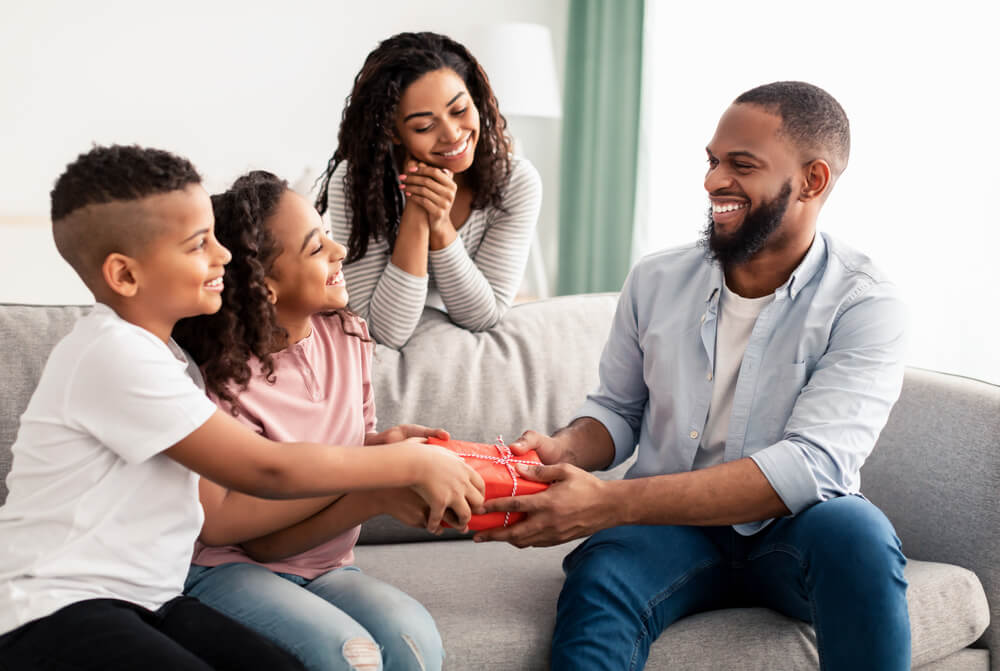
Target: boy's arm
228,453
343,514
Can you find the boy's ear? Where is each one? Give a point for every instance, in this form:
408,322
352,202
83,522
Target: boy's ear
119,274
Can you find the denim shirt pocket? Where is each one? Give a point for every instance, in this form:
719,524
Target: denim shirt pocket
780,391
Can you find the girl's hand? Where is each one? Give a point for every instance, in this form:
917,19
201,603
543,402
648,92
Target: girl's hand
404,431
433,189
448,485
403,503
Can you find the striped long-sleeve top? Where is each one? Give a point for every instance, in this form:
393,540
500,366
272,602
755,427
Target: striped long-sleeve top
474,279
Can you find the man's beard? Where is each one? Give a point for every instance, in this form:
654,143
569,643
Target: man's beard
751,236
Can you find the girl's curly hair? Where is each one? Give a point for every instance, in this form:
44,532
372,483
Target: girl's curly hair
247,324
368,126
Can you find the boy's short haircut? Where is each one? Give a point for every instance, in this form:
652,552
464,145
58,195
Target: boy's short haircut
95,208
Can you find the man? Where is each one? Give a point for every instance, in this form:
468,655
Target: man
754,373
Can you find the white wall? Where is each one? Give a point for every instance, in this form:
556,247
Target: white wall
919,83
232,85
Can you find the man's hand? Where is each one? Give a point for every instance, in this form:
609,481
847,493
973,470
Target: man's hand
404,431
576,504
549,450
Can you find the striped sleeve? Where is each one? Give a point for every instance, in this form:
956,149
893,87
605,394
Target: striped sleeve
390,299
478,290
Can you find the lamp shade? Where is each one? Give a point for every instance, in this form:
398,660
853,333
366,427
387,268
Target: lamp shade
519,61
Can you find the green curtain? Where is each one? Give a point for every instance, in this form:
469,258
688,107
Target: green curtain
599,144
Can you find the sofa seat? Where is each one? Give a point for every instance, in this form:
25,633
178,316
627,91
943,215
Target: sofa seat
495,607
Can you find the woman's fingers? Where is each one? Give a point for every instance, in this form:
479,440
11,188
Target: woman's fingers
445,190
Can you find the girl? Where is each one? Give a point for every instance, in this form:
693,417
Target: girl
424,189
286,359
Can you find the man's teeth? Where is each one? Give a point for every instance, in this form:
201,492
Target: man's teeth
728,207
458,151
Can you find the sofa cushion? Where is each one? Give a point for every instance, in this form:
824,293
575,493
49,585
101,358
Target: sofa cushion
513,631
28,334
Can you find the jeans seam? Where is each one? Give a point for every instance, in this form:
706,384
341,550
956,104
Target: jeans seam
792,551
660,598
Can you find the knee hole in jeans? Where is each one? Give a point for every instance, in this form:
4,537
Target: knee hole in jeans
362,654
415,650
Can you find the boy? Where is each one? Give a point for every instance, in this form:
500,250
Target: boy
103,509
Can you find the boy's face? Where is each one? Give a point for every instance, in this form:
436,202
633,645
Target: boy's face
179,273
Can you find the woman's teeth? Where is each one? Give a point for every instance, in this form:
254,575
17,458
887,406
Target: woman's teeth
458,151
214,284
336,279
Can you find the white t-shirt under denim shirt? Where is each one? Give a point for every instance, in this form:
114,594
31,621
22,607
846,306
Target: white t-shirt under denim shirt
95,510
737,315
821,370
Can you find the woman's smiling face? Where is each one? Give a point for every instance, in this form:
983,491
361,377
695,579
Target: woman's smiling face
437,121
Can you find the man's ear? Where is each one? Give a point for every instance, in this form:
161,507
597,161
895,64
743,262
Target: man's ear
818,179
119,273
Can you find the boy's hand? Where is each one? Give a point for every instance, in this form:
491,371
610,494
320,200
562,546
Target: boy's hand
404,431
447,484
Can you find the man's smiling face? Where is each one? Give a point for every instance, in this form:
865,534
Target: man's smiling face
749,183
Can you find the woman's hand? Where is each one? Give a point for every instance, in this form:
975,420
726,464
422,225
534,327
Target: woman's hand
434,190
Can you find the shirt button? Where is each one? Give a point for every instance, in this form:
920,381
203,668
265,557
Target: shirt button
693,434
709,377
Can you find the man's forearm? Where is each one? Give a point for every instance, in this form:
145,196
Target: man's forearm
730,493
586,444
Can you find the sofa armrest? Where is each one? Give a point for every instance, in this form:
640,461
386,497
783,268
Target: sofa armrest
936,473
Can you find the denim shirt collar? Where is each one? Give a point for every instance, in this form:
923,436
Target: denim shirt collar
799,278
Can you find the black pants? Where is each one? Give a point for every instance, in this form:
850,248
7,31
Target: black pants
107,634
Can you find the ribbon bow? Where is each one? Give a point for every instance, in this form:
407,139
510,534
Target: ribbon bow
506,458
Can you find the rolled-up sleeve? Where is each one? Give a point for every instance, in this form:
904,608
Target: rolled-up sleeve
621,396
844,405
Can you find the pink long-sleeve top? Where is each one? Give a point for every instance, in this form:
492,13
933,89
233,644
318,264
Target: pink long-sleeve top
322,393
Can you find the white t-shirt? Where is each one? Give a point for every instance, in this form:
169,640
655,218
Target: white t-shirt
737,316
94,509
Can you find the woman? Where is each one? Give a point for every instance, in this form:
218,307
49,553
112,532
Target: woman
423,187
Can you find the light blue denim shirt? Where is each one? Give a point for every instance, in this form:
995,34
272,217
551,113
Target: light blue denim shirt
820,373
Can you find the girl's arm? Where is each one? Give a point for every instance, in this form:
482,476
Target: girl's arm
347,512
477,292
388,293
233,517
225,451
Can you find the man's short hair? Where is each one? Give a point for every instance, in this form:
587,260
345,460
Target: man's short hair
94,202
810,117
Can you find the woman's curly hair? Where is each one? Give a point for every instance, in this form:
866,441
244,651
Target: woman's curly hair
247,324
368,126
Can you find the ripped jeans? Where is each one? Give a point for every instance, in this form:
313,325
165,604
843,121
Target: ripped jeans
342,619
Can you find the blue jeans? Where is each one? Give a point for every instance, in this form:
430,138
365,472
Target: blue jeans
326,622
837,565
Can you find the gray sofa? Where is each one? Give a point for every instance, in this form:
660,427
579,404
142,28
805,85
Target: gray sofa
935,472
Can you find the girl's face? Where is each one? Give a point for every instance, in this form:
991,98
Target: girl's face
306,277
437,122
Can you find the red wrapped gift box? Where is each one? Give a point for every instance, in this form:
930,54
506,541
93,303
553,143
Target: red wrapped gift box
495,463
